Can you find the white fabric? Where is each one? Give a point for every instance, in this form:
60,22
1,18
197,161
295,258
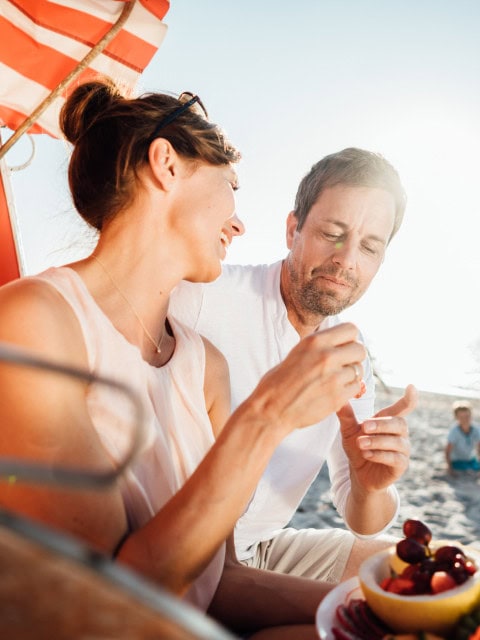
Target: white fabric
244,315
318,554
178,429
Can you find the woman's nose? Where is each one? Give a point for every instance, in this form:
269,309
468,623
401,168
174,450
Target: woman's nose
237,225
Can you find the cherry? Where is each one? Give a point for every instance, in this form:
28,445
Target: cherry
448,554
427,572
411,551
417,530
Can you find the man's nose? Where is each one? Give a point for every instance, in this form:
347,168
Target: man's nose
345,254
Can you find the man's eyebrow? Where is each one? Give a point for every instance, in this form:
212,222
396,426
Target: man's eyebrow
344,227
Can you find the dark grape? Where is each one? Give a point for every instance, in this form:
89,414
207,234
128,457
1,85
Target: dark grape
417,530
449,554
429,566
411,551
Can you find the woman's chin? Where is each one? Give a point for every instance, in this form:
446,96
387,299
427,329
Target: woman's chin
207,275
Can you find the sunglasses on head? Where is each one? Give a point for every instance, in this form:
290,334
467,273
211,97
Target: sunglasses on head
187,100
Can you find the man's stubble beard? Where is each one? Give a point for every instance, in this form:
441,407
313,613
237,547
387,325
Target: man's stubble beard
310,299
318,302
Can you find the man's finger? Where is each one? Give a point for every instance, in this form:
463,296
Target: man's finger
402,407
346,414
348,421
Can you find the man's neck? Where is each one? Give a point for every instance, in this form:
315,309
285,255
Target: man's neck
303,323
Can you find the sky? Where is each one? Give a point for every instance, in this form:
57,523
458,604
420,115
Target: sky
291,82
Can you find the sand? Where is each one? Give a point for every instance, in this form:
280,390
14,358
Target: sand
449,506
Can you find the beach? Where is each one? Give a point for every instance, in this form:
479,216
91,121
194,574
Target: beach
450,506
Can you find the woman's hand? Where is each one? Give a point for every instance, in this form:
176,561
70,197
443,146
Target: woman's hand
318,377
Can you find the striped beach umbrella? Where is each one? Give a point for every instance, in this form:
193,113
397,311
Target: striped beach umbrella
47,48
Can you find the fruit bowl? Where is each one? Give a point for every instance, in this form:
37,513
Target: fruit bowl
437,613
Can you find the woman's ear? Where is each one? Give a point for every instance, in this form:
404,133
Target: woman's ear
163,160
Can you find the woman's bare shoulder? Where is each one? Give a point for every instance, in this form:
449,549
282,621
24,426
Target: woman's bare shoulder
36,316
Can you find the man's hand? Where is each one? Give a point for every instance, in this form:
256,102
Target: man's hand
379,448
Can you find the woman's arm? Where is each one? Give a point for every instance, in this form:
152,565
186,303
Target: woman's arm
45,418
216,387
308,385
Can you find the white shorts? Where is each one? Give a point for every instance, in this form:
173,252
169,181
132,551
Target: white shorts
321,554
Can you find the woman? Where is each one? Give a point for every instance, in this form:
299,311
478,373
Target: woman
156,179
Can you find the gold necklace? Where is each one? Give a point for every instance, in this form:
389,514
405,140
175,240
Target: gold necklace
156,344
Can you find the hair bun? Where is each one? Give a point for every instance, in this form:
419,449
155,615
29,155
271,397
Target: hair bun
85,104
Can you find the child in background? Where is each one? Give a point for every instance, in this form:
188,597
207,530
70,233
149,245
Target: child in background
463,443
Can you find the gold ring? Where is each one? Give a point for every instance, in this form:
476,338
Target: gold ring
357,370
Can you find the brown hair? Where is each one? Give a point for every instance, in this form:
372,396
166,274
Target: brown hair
112,135
351,167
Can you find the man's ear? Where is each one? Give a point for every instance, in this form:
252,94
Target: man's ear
164,161
292,223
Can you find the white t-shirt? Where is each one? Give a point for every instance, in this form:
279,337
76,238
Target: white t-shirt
243,314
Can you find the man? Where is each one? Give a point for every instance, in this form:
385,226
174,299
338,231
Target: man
347,209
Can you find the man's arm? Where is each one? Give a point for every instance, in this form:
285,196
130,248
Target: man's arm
378,451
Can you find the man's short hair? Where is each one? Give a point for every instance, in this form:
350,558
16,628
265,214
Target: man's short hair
351,167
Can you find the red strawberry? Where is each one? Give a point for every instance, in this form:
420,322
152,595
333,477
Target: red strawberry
385,583
401,585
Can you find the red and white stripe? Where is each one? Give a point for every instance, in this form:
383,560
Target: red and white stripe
41,42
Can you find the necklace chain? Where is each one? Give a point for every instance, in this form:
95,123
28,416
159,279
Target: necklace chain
156,344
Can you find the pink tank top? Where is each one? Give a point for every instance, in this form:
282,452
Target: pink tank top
178,431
